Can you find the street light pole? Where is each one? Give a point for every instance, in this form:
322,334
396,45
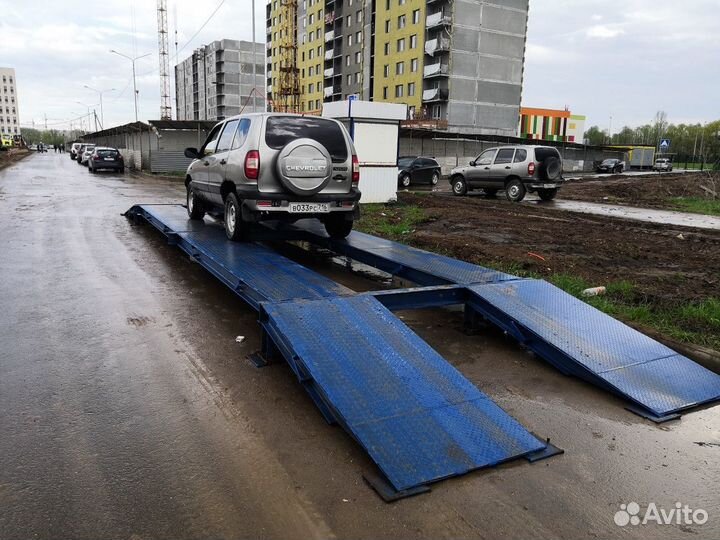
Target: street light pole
135,92
100,93
254,60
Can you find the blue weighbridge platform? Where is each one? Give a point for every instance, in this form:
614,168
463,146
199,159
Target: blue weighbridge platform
417,417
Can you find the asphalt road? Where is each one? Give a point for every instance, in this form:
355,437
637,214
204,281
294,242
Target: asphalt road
127,409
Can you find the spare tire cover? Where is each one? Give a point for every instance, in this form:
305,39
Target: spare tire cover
551,168
304,166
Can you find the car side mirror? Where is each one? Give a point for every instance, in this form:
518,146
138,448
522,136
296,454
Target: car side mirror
192,153
472,163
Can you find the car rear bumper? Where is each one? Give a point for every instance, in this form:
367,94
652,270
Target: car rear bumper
251,193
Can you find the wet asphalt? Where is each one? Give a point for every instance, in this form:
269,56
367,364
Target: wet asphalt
128,410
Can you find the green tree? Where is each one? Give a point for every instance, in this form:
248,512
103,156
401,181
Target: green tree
595,136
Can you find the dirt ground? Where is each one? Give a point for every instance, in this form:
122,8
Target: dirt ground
654,271
652,191
12,156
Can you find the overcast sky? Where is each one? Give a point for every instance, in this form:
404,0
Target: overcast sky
620,58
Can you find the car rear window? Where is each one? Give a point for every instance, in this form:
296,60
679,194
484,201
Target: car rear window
281,130
541,154
107,153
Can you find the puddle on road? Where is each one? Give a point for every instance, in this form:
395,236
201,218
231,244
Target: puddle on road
667,217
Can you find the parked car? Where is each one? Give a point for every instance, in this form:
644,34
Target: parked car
418,170
662,164
74,150
106,158
614,166
274,166
87,151
517,169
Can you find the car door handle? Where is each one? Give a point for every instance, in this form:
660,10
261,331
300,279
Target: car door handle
224,162
206,163
487,168
508,167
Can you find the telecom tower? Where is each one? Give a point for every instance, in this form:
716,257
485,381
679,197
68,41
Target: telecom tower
165,108
289,91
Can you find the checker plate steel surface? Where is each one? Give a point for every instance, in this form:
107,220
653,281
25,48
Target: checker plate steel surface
415,414
174,217
445,268
635,365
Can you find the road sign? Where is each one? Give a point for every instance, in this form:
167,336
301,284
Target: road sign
664,145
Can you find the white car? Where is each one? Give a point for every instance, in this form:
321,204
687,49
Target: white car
662,164
86,154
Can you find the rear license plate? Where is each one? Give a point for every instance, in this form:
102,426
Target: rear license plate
549,186
308,208
109,159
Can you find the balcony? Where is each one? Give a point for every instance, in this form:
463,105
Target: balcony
437,45
437,19
437,69
329,17
328,91
435,94
330,35
329,54
329,72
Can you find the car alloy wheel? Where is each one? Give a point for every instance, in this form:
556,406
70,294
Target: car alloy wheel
435,178
405,180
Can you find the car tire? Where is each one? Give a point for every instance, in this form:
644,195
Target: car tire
195,208
405,180
459,187
515,190
338,227
435,178
490,193
547,194
234,226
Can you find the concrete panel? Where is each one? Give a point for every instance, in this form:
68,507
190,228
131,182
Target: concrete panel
500,69
466,13
463,89
497,117
492,92
504,20
461,114
464,65
517,4
465,39
501,44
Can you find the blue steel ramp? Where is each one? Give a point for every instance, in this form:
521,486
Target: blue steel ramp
416,415
581,340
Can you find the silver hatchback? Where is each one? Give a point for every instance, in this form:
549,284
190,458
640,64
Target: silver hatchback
274,166
517,169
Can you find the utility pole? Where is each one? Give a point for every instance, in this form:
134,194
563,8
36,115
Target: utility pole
100,93
45,116
254,59
135,91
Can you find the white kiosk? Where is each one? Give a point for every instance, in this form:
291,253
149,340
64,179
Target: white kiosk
375,131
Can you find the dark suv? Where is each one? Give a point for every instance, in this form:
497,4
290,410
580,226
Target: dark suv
516,169
273,166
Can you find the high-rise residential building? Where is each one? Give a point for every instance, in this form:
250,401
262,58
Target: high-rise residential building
458,63
217,81
9,109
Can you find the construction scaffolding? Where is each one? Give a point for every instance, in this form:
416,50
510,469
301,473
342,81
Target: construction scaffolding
288,93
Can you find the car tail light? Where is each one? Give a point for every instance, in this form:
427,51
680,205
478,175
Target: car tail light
252,164
355,169
264,203
531,168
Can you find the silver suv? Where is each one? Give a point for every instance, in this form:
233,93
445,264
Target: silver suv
275,166
516,169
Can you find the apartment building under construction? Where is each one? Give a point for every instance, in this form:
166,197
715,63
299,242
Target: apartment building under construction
457,64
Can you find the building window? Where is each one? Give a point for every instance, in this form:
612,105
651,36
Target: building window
358,37
414,65
387,5
401,2
436,112
350,40
357,78
401,21
311,71
349,79
311,38
311,54
387,48
413,41
348,20
399,90
317,103
358,57
401,45
312,18
358,16
416,16
386,70
304,22
411,89
311,88
399,68
347,60
385,92
387,26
